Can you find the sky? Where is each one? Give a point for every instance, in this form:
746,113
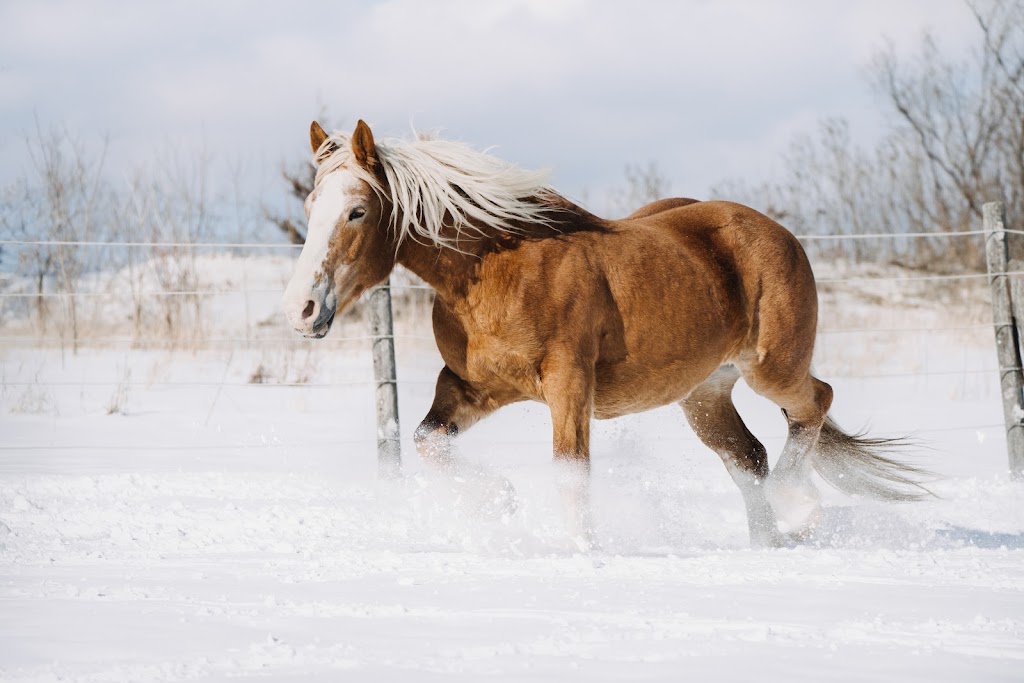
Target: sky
705,90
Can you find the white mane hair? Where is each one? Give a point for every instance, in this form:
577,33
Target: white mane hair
429,179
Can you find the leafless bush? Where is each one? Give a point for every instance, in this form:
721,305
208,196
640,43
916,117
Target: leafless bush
82,289
299,181
118,402
169,205
956,141
65,200
643,185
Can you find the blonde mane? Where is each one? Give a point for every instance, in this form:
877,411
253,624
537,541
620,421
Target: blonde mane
429,180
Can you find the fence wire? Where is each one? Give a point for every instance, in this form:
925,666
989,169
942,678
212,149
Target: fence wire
273,245
246,292
368,442
170,384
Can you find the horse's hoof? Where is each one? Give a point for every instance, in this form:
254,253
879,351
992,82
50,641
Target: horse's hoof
584,543
795,504
580,543
771,539
500,500
810,527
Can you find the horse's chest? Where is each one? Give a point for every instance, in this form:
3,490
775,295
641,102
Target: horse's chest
494,360
491,355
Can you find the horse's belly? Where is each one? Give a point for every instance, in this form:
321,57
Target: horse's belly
624,389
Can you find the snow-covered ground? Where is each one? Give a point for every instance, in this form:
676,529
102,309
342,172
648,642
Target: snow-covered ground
162,517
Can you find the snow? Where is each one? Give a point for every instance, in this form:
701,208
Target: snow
162,518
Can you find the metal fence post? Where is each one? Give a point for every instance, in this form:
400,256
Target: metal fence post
1011,379
389,452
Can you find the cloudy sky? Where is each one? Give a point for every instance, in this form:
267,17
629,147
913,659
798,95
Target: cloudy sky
704,89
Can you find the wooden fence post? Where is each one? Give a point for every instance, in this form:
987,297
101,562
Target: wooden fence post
1011,379
389,451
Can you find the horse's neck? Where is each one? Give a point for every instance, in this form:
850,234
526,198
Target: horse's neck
445,269
449,270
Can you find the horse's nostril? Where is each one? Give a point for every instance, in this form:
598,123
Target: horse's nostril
308,310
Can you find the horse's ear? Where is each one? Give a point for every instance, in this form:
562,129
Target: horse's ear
363,148
316,136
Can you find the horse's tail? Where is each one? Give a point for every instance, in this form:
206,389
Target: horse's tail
861,465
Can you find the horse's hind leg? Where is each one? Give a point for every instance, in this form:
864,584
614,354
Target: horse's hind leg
805,402
713,417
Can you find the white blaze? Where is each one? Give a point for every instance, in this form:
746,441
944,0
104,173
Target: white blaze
334,194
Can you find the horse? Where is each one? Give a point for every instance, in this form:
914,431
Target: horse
538,299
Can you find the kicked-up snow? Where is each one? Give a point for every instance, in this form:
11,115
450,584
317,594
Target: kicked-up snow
213,513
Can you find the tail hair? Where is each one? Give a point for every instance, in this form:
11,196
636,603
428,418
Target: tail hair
862,466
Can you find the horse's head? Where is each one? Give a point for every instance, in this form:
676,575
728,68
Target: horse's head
348,245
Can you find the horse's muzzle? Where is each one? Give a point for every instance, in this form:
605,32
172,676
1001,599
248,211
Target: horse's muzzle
311,312
322,325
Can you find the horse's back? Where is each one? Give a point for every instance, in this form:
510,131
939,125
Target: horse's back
758,245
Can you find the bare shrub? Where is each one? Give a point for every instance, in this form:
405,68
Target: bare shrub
82,289
299,181
259,375
118,403
66,200
956,141
168,204
643,185
32,398
285,366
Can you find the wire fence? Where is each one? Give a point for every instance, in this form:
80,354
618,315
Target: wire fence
294,342
274,245
247,292
333,443
262,384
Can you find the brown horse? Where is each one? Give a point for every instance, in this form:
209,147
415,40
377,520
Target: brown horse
538,299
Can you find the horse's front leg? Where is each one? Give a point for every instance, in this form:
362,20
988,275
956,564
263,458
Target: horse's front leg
568,389
457,406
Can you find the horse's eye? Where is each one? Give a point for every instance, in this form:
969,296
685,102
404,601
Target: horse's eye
357,212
